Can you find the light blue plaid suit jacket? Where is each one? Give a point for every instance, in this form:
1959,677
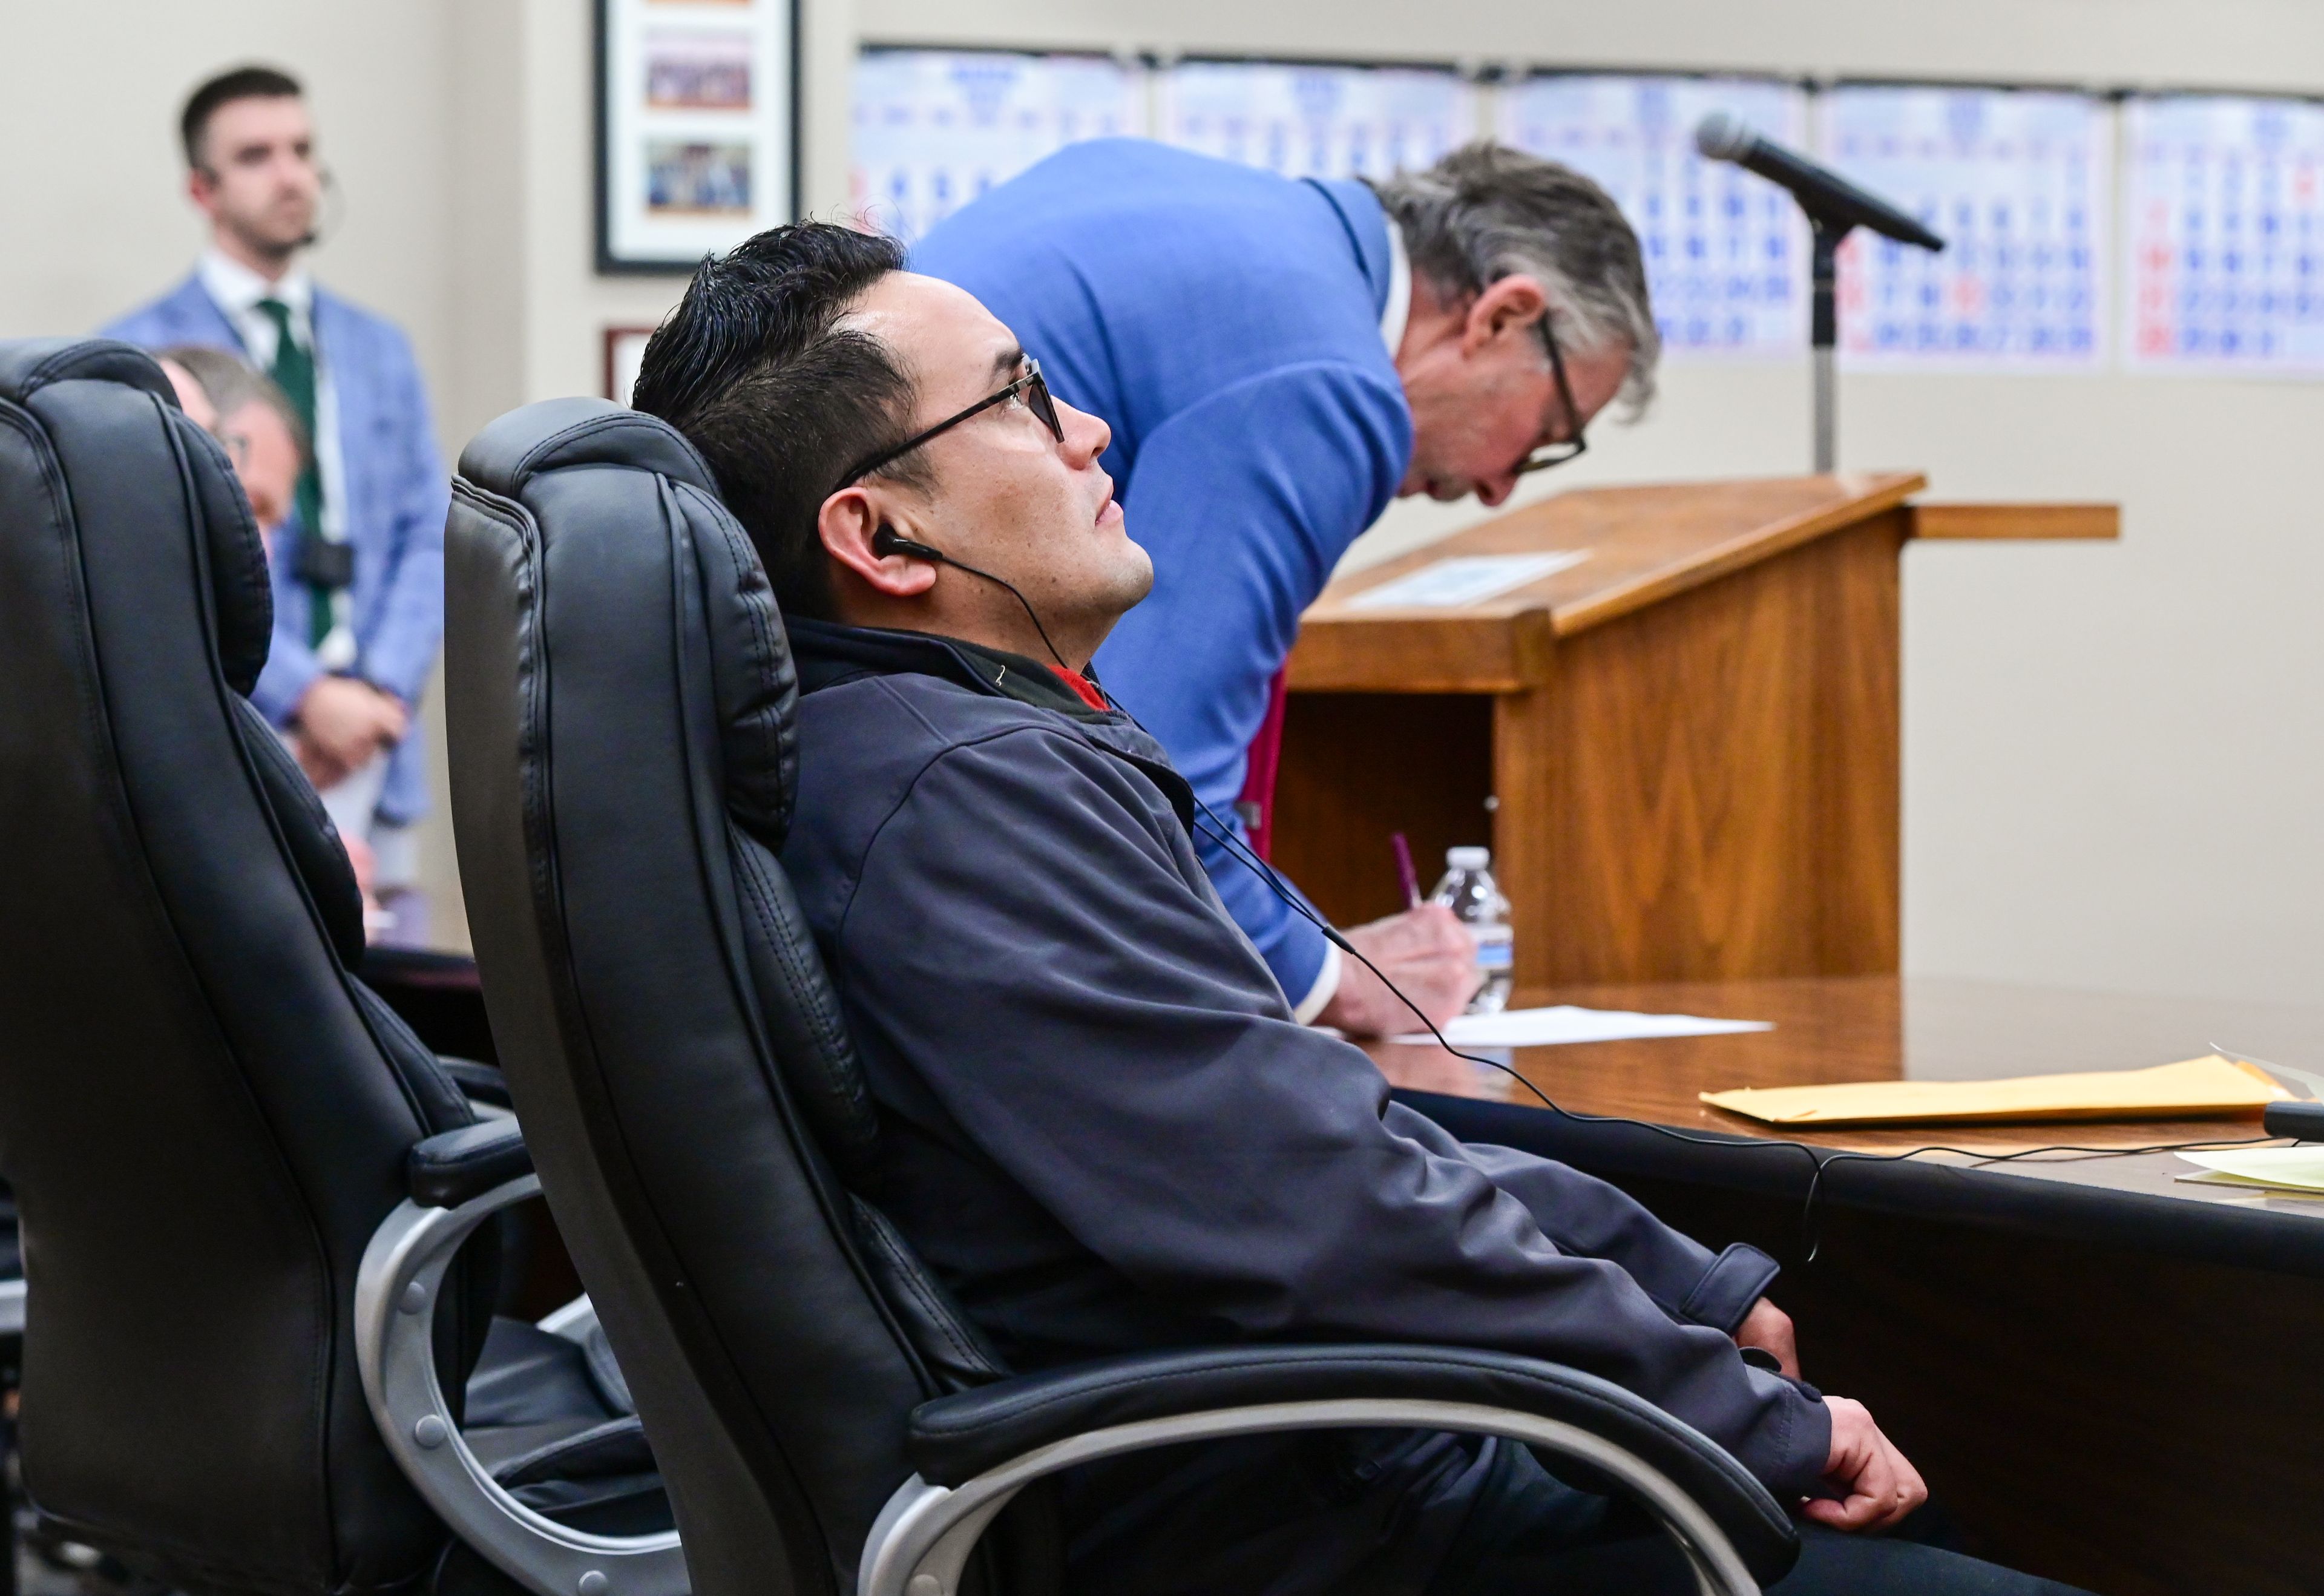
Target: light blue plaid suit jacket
396,494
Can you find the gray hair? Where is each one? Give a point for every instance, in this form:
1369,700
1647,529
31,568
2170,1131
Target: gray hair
231,384
1485,212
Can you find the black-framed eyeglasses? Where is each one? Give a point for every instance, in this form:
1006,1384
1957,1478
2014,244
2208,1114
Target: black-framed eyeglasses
1037,400
1557,453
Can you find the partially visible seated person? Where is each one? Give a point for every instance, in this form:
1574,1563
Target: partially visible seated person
192,398
1101,1123
243,409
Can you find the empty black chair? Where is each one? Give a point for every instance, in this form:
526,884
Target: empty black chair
621,716
240,1180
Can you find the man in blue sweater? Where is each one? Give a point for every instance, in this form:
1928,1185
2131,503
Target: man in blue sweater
1277,360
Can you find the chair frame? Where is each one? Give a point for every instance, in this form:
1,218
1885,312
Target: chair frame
197,527
395,1300
921,1542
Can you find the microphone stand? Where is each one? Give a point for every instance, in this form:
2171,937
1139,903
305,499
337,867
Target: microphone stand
1834,208
1823,339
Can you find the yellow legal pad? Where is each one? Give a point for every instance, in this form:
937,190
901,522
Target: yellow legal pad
2200,1088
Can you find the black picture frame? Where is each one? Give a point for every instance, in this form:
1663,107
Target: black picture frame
612,263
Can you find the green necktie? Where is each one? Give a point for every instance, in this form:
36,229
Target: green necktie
294,373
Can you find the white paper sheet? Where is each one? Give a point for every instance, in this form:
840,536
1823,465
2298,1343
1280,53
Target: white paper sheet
2294,1169
1464,579
1547,1028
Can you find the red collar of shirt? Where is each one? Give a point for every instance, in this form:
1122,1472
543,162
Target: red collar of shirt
1081,688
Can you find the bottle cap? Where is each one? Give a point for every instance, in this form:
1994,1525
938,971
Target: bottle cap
1467,858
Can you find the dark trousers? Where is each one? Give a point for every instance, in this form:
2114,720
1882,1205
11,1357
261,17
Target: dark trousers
1531,1534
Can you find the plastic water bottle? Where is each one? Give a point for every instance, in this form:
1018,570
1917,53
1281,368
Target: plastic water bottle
1475,898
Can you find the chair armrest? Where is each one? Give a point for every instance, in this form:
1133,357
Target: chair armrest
455,1167
954,1438
460,1180
478,1082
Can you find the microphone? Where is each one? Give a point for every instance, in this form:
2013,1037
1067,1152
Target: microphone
1830,200
329,189
1835,207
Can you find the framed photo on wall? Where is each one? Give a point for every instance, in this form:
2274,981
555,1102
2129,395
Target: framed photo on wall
697,127
625,348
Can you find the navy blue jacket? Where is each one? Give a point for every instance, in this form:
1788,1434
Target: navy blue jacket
1225,323
1102,1127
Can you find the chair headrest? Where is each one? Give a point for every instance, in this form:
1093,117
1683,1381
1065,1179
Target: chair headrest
35,372
30,364
97,401
523,453
580,432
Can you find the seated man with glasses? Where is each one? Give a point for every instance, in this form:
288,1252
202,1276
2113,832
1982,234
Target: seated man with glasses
1277,360
1101,1123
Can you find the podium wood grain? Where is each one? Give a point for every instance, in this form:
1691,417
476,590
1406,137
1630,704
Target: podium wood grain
2014,522
1689,740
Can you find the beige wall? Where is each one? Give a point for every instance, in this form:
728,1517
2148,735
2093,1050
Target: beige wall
91,190
2112,753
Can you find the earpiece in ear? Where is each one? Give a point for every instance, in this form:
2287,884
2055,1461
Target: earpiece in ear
886,542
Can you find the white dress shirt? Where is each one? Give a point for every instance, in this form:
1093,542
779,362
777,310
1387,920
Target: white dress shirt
1398,311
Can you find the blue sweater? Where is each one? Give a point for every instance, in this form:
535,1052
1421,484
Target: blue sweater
1225,323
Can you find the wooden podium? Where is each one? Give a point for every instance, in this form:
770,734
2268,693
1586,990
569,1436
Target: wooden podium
1682,750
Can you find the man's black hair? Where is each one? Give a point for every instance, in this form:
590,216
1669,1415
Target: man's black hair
753,367
243,83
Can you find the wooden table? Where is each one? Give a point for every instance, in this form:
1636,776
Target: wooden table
2109,1377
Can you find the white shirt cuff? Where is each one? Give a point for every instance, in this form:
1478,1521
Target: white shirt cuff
1327,982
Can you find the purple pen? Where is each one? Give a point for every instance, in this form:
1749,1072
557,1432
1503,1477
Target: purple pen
1407,877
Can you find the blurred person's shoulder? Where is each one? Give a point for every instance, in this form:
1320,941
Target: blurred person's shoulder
181,313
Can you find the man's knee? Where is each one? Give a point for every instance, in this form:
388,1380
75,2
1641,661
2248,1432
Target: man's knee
1835,1564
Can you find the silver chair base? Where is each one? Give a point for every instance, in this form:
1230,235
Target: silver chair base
921,1540
396,1310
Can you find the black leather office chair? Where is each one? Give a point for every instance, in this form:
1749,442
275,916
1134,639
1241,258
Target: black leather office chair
241,1181
621,716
